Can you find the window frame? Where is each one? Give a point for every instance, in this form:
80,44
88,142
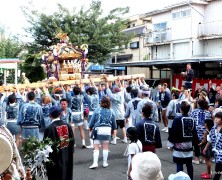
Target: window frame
180,14
134,45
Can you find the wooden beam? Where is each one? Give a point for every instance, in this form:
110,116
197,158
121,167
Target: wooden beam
71,82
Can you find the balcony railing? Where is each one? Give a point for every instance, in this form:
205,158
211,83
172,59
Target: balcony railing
209,30
161,36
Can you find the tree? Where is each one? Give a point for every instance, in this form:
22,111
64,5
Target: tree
32,67
10,47
103,34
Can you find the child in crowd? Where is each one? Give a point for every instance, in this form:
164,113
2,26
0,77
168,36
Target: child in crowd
133,148
182,138
148,131
208,124
215,139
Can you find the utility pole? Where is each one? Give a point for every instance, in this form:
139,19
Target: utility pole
115,63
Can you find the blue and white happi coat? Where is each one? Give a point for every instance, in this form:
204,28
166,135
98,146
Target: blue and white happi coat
215,138
92,101
77,107
45,111
199,115
117,103
31,114
131,109
67,117
102,122
140,106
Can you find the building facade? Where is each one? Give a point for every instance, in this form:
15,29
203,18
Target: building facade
190,31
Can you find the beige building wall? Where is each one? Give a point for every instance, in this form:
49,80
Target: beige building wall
139,70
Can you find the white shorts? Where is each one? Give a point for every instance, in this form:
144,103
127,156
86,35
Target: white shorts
77,124
98,141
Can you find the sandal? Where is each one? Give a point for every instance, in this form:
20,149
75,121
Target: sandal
206,176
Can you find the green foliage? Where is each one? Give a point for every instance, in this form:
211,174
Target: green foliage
102,33
32,67
10,47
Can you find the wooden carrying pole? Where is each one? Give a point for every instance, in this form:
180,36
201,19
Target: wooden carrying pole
70,82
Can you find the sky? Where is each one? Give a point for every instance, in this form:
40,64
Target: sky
12,18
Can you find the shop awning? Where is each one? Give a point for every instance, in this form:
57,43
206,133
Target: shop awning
9,63
10,60
101,67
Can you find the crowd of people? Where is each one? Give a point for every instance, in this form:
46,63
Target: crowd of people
193,121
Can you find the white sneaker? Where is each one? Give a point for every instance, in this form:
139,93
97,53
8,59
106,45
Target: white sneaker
74,145
117,138
89,147
167,130
94,165
105,164
112,142
164,129
124,141
195,162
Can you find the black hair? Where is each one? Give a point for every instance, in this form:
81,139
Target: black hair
175,95
91,90
31,96
147,110
219,100
134,93
209,122
128,89
218,115
203,104
145,95
12,98
185,107
76,90
132,133
185,87
63,99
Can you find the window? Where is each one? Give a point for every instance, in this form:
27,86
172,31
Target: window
165,74
185,13
134,45
159,32
160,26
176,15
181,14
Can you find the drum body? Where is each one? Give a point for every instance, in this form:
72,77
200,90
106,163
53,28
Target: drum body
6,152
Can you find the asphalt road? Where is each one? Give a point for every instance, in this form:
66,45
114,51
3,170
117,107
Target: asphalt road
117,168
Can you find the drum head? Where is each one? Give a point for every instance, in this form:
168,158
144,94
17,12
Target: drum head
6,153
